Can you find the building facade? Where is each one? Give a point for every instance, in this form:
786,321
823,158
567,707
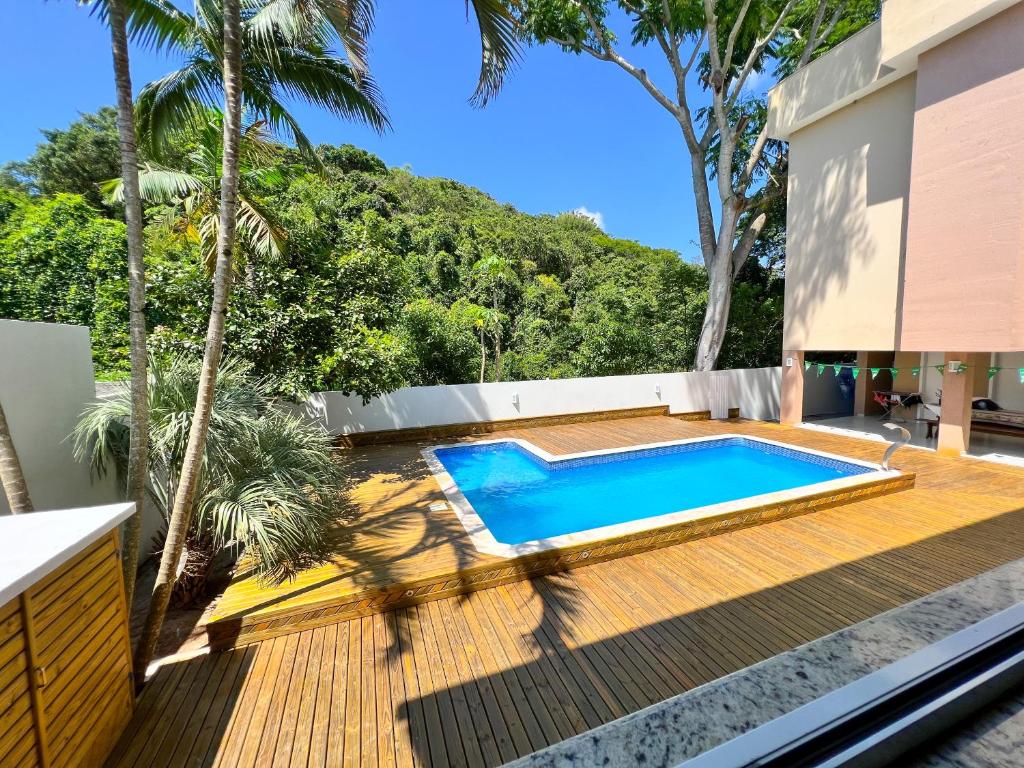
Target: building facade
905,231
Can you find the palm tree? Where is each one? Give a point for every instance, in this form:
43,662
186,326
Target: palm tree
11,477
191,195
282,53
268,481
116,13
277,47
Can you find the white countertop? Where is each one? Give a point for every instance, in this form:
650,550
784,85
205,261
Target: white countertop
34,544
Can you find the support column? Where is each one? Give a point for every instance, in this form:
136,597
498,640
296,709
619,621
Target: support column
792,410
861,396
957,393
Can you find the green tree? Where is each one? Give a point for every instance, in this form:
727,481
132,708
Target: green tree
735,169
254,61
441,343
76,159
117,12
493,278
190,196
61,262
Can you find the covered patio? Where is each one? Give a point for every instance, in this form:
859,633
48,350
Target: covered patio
990,447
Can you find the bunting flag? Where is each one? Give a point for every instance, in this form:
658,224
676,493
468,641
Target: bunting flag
915,371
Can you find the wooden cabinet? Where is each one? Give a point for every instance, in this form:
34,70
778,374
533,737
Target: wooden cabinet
65,686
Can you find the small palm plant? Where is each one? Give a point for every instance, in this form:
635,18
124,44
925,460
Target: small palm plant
269,482
191,195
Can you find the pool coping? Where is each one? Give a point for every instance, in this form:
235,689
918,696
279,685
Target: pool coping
485,542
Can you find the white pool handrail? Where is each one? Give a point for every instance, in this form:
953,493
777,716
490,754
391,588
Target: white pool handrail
898,443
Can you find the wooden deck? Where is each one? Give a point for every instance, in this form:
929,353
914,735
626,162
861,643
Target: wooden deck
481,678
398,552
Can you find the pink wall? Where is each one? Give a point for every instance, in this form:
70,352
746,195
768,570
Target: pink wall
964,271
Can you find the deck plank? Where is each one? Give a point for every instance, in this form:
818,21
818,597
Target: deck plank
479,679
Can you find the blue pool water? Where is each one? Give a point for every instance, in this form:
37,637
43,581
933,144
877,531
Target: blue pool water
521,497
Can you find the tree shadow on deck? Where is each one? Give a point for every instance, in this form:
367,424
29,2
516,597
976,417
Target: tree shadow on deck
185,711
569,684
482,679
385,540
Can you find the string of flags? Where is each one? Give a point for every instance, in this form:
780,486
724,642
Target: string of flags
855,370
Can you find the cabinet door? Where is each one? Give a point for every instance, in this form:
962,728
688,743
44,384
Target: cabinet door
18,745
81,654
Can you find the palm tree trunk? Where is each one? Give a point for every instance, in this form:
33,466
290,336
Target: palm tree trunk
483,355
181,512
497,340
138,447
11,476
497,354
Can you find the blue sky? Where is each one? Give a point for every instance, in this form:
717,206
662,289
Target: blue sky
566,132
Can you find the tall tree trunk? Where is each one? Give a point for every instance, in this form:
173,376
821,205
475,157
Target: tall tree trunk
483,355
138,447
497,341
720,278
181,512
497,355
716,316
11,476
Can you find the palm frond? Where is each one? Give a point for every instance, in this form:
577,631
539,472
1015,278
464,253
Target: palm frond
268,480
499,46
256,226
157,185
322,80
158,25
176,102
154,24
261,101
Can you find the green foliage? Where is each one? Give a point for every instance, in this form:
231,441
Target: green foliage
190,196
75,160
442,343
384,279
62,262
268,482
855,15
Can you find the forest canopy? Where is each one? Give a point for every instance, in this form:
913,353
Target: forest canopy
363,278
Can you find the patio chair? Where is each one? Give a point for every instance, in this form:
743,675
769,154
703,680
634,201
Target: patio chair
883,399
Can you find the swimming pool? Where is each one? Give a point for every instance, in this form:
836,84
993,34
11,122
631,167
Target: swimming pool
514,498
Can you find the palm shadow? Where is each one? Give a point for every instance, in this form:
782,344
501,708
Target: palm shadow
570,684
386,532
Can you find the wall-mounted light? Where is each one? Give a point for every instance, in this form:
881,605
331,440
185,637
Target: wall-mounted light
515,399
657,390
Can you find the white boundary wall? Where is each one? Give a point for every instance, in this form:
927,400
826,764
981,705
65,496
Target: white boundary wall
754,391
46,379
